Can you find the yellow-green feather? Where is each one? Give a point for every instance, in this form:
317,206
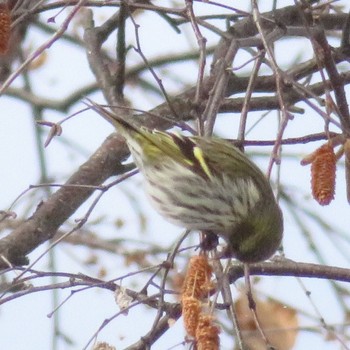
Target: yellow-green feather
206,184
155,144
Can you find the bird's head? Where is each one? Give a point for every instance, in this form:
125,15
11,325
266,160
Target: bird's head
256,237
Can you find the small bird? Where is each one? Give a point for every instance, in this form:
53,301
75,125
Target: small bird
206,184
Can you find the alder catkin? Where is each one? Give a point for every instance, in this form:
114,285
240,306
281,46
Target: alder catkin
194,290
323,168
207,333
5,28
191,308
197,279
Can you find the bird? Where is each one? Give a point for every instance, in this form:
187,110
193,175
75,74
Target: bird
205,184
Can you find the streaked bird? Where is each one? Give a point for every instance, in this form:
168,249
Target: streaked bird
206,184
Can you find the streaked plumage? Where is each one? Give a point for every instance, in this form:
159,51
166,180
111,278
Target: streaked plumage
206,184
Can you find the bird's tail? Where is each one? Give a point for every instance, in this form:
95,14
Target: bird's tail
126,128
141,142
149,145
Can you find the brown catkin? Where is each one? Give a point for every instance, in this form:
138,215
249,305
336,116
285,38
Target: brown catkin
197,280
191,308
194,289
207,333
5,27
323,169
